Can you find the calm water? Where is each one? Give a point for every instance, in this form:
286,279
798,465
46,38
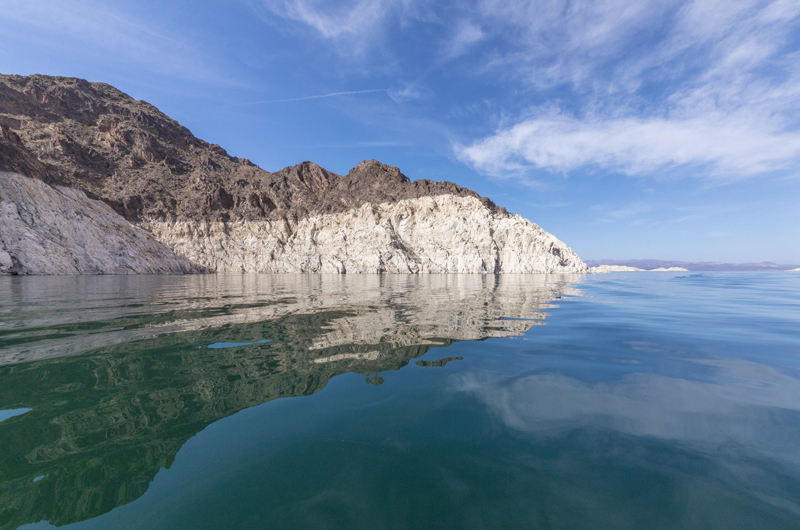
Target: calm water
621,401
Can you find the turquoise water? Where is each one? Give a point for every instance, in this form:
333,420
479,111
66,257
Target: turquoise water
627,400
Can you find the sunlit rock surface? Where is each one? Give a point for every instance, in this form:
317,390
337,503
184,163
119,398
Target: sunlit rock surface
614,268
441,234
57,230
625,268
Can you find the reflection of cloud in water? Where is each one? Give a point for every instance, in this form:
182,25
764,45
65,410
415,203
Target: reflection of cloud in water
738,409
63,316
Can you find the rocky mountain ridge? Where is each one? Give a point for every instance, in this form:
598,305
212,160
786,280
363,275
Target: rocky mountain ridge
226,213
144,164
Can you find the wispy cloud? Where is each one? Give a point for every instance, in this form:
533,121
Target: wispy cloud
359,30
409,92
651,404
705,85
355,28
331,20
319,96
465,35
626,213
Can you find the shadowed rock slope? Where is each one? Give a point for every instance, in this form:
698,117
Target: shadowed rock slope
226,213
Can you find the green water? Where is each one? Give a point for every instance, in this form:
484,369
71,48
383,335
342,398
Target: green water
666,400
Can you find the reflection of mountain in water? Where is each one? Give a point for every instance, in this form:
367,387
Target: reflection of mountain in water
42,323
103,423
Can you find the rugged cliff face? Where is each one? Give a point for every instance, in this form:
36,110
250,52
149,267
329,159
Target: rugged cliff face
58,230
227,214
440,234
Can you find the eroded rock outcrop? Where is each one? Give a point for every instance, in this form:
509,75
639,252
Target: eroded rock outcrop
441,234
58,230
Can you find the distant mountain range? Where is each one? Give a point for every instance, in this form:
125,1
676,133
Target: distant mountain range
650,264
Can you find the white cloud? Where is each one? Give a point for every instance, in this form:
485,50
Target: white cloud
409,92
465,36
551,42
730,146
703,84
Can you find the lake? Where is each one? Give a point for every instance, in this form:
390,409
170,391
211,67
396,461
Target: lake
618,401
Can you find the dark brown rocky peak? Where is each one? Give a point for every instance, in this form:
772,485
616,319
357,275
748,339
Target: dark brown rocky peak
94,137
55,99
144,164
372,171
307,175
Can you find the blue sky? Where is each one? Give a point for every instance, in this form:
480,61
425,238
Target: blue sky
662,129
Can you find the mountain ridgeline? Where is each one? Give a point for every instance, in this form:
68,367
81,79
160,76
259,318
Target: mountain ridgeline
209,211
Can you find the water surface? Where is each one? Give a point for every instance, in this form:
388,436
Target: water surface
663,400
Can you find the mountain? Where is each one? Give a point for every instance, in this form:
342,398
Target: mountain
651,264
225,213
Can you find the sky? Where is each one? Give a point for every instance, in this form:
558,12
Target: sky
662,129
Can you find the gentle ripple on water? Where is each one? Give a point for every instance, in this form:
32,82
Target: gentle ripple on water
660,400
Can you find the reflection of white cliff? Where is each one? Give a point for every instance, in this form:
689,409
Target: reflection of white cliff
398,310
438,308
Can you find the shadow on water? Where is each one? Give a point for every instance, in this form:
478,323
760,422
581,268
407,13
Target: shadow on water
118,373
